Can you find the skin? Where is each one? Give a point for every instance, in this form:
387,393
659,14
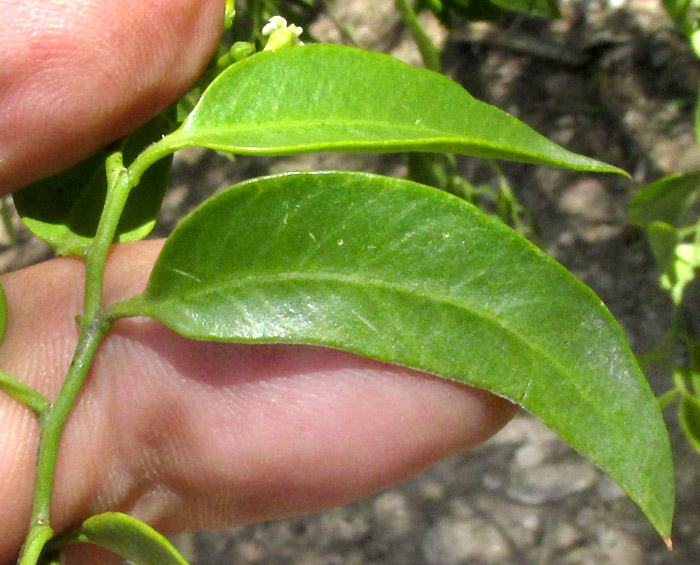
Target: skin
186,435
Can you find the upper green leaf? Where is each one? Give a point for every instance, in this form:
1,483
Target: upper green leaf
338,98
396,271
64,209
125,535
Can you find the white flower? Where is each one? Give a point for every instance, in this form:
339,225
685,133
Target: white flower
280,34
273,24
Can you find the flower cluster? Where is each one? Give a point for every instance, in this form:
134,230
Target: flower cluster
281,35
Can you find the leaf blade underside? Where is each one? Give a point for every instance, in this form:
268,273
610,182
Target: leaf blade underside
339,98
399,272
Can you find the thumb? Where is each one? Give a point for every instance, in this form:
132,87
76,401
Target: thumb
78,75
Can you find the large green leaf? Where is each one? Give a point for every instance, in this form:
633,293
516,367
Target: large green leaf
400,272
125,535
338,98
64,209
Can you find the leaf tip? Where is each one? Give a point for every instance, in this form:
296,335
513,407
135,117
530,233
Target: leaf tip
615,170
669,542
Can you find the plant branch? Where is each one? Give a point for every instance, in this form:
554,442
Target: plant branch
169,144
668,398
52,423
23,393
428,51
93,327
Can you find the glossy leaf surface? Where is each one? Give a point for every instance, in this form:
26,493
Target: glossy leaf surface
126,536
64,209
403,273
666,200
338,98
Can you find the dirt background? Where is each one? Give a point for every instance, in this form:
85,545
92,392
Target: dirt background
615,81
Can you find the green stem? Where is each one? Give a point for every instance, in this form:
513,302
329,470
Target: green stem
52,423
668,398
169,144
93,328
428,51
31,398
7,221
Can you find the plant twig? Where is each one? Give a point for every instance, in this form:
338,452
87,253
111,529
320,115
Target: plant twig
93,328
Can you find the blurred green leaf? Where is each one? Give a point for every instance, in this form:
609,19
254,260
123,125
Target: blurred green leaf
663,239
407,274
542,8
491,10
689,414
666,200
3,314
684,15
681,270
472,10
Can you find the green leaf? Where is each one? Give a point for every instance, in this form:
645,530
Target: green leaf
683,13
681,270
64,210
541,8
689,414
338,98
666,200
473,10
125,535
663,239
397,271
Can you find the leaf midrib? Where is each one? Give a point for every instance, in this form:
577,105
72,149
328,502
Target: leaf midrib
315,122
353,280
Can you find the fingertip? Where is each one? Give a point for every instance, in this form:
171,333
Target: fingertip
79,75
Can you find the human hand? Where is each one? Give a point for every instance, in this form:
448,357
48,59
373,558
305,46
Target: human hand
183,434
